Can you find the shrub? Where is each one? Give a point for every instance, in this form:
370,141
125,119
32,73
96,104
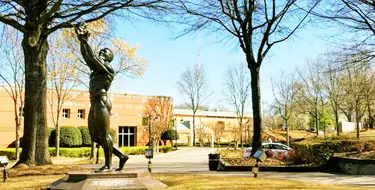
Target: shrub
70,136
51,137
9,152
169,134
72,152
165,149
86,138
136,150
319,153
83,151
113,134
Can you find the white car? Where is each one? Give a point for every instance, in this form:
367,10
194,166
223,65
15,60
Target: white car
272,150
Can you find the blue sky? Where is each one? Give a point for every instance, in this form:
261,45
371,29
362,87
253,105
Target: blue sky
167,58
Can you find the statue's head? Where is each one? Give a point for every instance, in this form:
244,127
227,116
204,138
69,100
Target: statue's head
106,54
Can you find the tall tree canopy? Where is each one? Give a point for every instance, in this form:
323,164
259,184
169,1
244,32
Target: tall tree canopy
257,26
37,20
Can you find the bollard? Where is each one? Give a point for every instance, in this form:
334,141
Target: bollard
5,174
149,166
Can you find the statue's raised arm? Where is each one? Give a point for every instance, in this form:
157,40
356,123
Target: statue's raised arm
92,60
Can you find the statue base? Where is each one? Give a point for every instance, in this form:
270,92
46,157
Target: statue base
132,179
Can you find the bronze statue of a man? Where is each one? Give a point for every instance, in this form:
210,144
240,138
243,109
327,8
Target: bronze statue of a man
100,80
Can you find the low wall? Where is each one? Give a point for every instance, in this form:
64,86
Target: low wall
355,166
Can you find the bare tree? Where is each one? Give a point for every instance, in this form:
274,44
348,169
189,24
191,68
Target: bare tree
357,20
332,87
160,112
369,97
310,95
63,77
356,82
13,77
193,85
237,92
285,92
217,129
256,25
37,20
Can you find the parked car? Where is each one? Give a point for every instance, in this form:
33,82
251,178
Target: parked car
277,150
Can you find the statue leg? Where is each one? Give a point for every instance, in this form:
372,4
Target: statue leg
107,145
101,124
123,158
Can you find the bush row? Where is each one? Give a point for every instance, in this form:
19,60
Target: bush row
319,153
75,136
84,151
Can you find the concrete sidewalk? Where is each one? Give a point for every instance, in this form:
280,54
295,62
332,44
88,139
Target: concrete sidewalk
195,161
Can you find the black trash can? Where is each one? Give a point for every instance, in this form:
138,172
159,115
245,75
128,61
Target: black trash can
213,161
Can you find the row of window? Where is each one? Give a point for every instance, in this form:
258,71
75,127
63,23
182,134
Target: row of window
80,114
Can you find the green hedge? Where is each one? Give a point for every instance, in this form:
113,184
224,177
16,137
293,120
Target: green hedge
165,149
169,134
319,153
70,136
86,138
85,151
9,152
51,137
113,134
75,136
72,152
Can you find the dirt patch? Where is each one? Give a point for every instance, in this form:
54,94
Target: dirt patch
235,158
358,155
24,170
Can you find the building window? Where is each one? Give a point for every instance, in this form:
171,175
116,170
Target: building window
127,136
66,113
81,114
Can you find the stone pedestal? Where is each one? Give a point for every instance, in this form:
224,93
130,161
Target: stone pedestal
132,179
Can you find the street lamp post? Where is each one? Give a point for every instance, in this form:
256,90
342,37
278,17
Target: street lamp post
175,135
150,152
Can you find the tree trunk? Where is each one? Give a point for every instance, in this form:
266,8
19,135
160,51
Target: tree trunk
257,121
194,128
18,125
18,128
248,133
316,121
57,138
357,119
287,132
241,134
92,150
35,134
370,122
324,129
349,116
337,122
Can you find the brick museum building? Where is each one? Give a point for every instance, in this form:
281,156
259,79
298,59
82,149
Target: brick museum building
128,111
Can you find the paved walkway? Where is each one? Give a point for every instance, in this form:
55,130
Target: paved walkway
195,160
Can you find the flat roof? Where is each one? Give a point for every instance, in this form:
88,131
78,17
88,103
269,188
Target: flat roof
208,113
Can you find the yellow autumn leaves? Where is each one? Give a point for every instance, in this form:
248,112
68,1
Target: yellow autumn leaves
129,60
126,59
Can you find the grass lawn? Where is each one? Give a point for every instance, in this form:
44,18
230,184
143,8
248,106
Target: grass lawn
40,177
190,181
185,181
